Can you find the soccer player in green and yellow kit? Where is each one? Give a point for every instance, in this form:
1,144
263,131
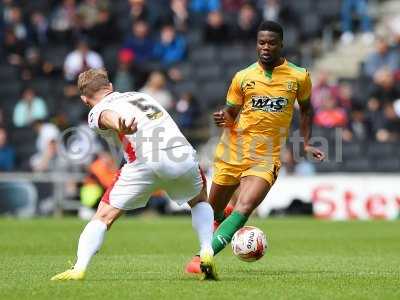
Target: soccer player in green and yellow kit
256,121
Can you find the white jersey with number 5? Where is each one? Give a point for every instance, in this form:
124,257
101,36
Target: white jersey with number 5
158,155
156,128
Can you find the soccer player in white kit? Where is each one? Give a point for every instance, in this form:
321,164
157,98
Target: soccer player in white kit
157,156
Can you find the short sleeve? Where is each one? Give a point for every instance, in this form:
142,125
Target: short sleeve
94,117
304,90
235,94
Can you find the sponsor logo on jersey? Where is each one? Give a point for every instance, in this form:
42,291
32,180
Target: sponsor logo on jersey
269,104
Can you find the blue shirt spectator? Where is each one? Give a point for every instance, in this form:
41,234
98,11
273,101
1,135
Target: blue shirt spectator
205,6
383,57
29,109
7,153
140,42
171,48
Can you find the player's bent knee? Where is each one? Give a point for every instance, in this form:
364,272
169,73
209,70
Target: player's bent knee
202,197
245,208
108,215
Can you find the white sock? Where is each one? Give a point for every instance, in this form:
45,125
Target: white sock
90,242
202,221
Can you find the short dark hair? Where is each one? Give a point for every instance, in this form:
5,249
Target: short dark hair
271,26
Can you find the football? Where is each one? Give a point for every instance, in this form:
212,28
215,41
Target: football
249,243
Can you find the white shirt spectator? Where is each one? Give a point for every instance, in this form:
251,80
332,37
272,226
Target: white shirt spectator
47,133
78,61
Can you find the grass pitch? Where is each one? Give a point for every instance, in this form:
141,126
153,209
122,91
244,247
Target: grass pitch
143,258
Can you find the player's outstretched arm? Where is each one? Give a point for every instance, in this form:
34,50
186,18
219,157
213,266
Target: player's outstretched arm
227,116
306,118
112,120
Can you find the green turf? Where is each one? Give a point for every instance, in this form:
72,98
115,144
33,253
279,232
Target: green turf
143,258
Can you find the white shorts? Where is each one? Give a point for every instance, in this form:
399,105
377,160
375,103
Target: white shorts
175,170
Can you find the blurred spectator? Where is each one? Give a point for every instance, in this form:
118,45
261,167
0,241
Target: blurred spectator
101,175
359,8
140,42
105,29
16,24
171,47
177,14
271,10
124,80
46,132
390,131
322,89
34,66
359,127
330,115
204,6
14,49
29,108
63,21
383,57
216,30
290,166
187,111
140,11
232,6
39,28
7,152
245,28
49,160
81,59
385,89
347,97
88,12
156,87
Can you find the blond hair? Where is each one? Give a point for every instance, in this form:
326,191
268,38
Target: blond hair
92,81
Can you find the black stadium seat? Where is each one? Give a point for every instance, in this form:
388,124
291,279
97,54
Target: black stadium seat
356,165
201,54
387,164
208,72
379,150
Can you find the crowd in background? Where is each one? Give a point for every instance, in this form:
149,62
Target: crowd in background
144,44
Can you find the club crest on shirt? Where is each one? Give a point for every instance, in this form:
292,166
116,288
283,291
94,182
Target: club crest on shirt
291,85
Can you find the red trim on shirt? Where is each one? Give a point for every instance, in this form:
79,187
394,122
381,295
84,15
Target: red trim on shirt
128,148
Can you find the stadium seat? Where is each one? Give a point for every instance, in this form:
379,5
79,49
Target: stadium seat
213,93
203,54
41,86
291,38
8,72
380,150
194,38
328,10
351,150
310,25
56,55
327,166
232,54
356,165
185,86
110,55
299,7
387,164
207,72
